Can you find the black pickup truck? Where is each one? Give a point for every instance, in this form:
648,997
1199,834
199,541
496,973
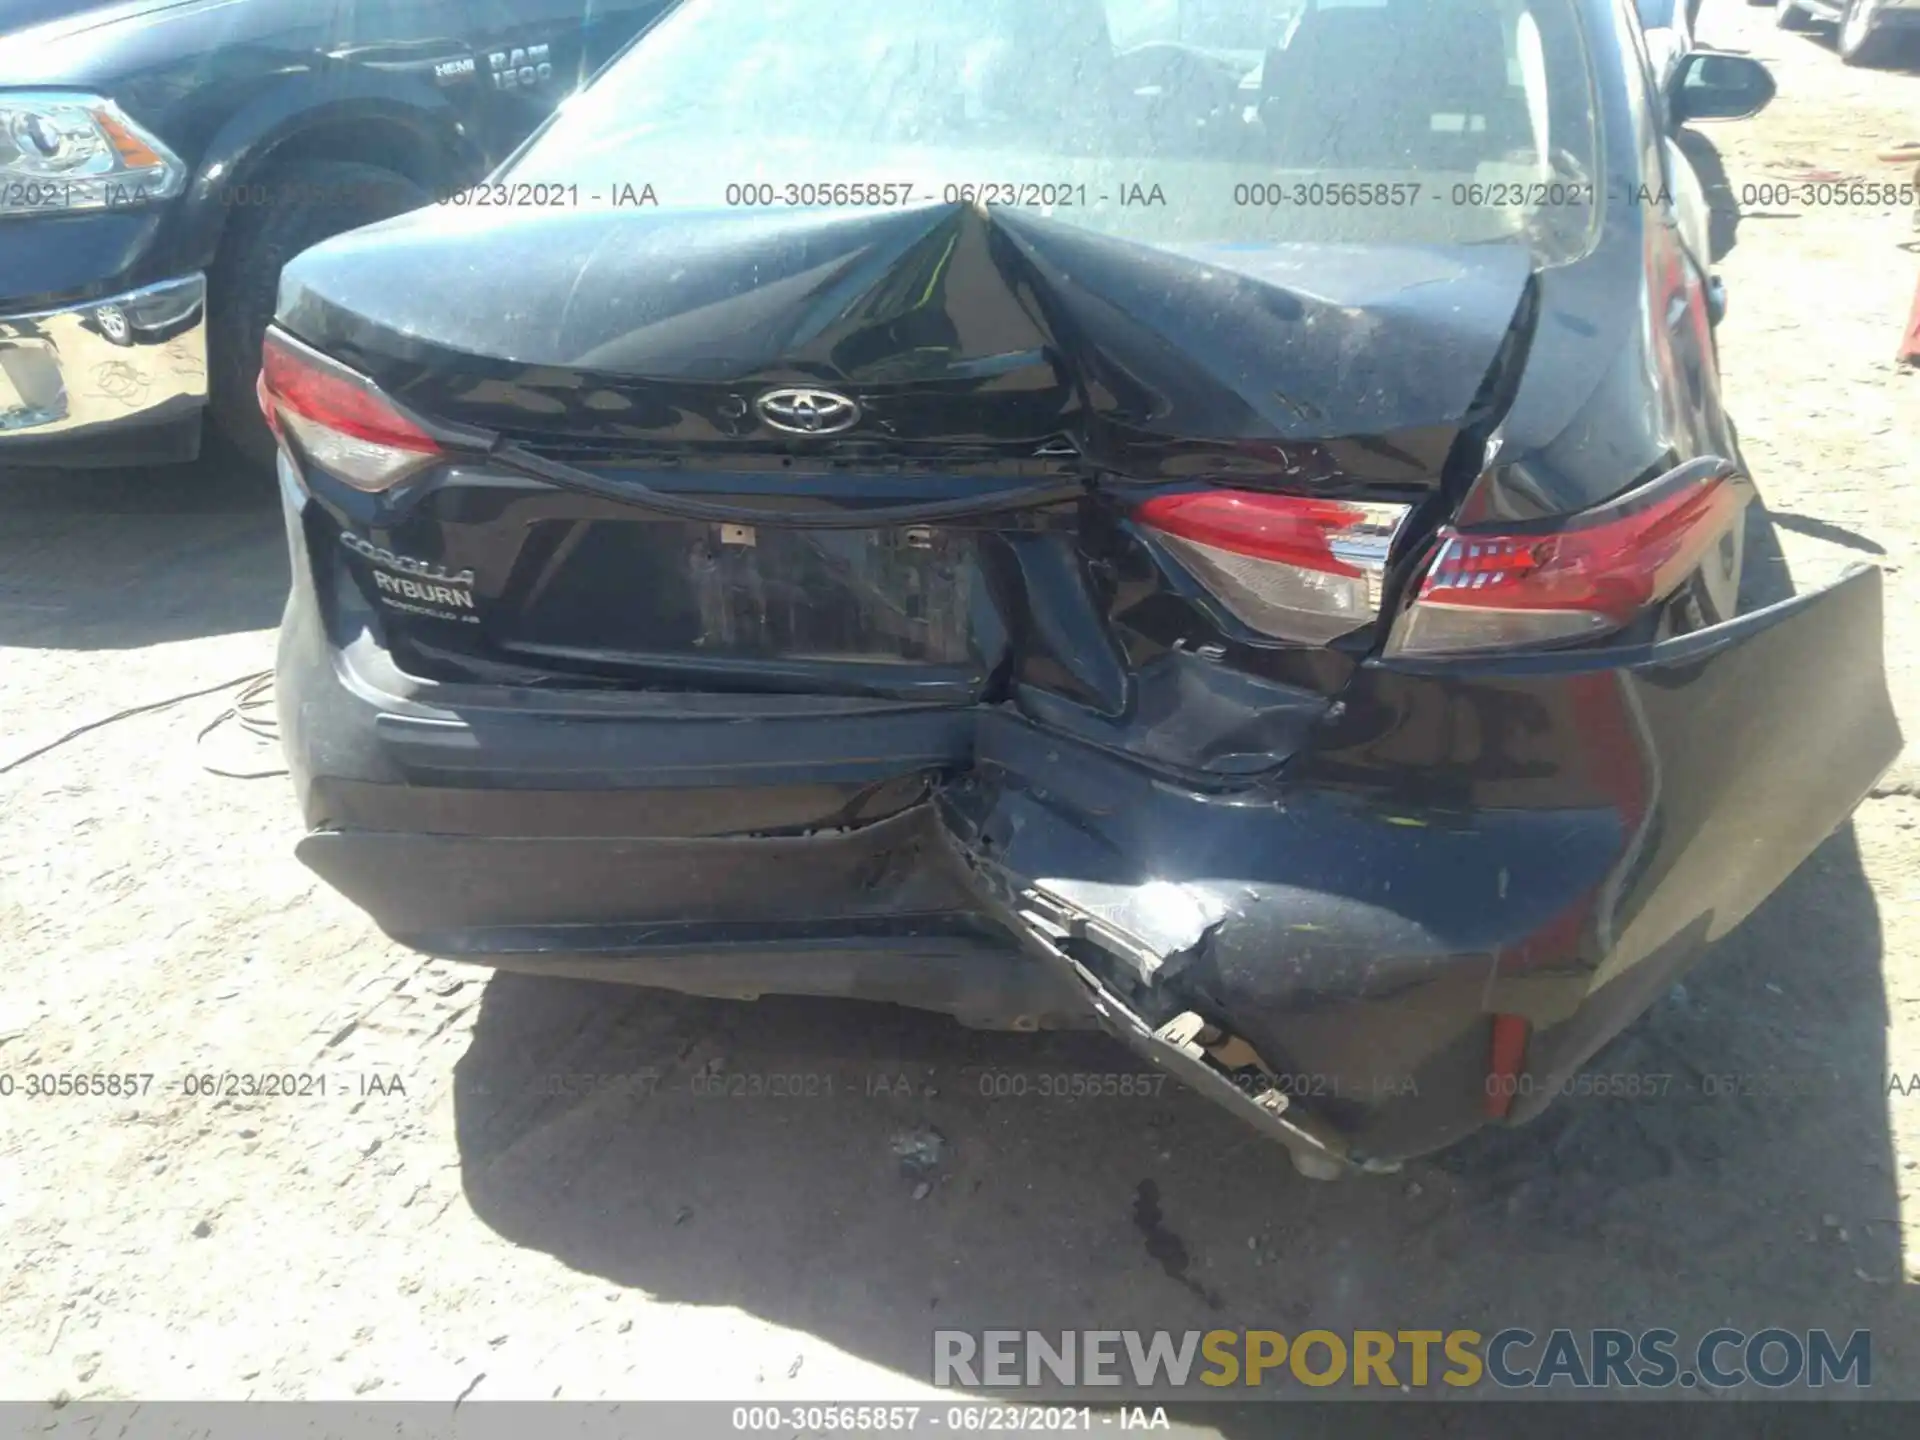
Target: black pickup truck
161,159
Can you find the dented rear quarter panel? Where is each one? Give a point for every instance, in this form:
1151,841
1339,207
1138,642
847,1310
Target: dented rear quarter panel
1554,837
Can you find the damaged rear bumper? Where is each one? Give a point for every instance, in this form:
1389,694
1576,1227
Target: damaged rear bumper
1548,837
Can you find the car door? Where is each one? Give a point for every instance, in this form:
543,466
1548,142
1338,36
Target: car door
1679,190
1690,207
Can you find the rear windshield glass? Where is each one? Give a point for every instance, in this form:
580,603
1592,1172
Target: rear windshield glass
1197,120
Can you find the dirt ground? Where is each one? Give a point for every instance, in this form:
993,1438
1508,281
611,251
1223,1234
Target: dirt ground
437,1225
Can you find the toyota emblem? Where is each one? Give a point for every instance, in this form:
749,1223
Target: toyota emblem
800,411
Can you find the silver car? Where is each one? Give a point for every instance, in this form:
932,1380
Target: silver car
1872,32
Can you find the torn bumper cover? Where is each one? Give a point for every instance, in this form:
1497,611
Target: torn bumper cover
1547,837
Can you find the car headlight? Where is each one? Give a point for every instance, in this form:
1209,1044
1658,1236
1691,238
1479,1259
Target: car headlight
61,151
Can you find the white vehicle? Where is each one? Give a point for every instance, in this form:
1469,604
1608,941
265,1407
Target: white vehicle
1871,32
1668,25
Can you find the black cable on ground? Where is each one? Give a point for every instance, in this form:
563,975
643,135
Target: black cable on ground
252,710
129,713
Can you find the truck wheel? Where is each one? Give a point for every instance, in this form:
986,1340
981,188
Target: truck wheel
1858,42
303,204
1790,16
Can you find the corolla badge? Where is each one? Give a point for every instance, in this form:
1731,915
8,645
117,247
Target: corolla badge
808,412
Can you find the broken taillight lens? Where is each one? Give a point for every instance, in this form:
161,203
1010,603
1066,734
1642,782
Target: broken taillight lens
1588,576
1290,566
341,421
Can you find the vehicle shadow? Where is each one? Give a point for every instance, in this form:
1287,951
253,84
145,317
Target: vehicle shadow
117,559
1723,206
866,1175
1905,61
1826,530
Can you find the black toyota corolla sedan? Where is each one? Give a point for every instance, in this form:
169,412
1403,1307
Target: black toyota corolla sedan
1215,519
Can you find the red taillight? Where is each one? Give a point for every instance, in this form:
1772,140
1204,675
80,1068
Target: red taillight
1289,566
1592,575
1506,1049
341,421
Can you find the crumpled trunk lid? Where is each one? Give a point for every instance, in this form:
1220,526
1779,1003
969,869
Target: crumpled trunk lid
963,333
984,351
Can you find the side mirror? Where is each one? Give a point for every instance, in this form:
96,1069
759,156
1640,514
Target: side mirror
1712,85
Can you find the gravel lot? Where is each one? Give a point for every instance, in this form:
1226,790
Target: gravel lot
436,1225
